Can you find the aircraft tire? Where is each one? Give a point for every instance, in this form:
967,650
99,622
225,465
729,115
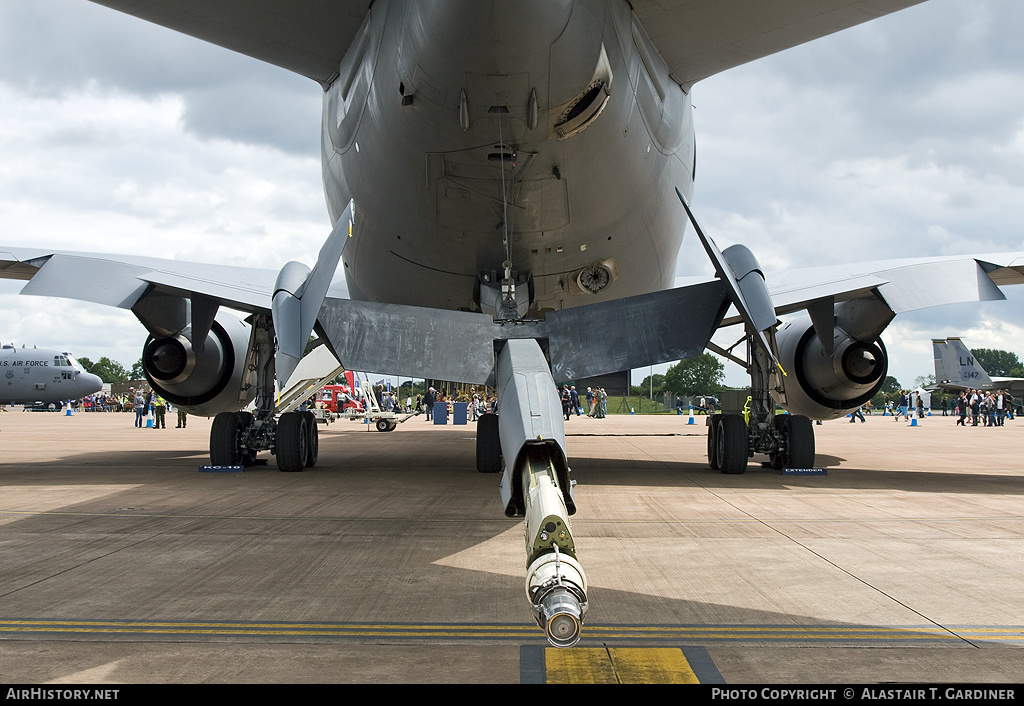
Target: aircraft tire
732,444
224,447
292,442
488,444
801,442
312,441
713,442
798,436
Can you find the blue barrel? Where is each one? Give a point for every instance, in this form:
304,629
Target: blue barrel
440,413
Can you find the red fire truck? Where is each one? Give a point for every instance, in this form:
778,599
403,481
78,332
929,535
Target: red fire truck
339,398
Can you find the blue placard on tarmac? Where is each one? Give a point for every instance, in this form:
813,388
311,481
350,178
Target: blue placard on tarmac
804,472
221,469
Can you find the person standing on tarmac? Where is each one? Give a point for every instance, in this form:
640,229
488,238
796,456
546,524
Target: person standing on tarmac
159,412
904,407
428,401
140,409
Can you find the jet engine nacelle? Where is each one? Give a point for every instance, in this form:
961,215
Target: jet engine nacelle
202,380
822,386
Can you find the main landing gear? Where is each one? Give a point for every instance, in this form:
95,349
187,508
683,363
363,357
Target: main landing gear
237,437
733,438
787,439
235,440
788,442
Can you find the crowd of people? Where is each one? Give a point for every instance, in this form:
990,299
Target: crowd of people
144,403
105,402
478,402
904,404
990,408
596,399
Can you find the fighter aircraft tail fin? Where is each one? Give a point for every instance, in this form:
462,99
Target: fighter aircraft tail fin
956,365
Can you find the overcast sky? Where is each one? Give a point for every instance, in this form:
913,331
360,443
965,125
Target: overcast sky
903,137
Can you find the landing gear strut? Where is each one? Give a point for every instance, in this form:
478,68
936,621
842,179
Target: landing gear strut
733,438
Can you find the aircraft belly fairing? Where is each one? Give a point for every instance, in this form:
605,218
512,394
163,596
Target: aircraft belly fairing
501,183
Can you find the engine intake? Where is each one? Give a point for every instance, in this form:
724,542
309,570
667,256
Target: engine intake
206,380
829,386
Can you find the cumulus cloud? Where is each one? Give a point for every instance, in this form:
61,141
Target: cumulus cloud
118,136
899,138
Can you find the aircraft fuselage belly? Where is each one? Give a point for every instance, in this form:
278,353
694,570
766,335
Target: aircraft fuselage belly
545,133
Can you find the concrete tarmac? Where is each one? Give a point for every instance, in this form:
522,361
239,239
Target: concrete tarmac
391,560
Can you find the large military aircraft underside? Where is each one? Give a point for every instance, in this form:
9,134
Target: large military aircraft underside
522,172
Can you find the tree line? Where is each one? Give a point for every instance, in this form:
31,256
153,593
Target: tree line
111,371
703,375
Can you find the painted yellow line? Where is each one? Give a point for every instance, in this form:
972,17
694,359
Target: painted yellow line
814,631
263,518
449,634
526,632
506,521
618,665
263,626
791,520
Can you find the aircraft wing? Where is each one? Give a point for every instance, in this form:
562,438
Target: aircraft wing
121,280
904,284
309,37
699,38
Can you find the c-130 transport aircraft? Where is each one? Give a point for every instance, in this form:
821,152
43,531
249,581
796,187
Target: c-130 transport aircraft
30,375
523,171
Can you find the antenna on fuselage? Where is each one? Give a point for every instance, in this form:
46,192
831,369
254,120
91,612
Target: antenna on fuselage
508,286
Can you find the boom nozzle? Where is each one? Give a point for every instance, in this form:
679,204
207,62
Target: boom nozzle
562,616
557,589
